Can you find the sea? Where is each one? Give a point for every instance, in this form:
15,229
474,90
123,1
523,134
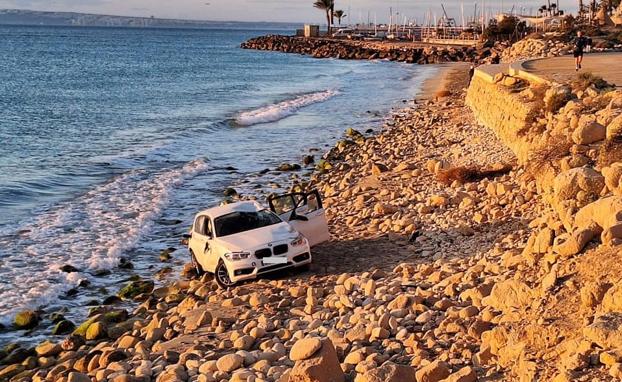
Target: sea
111,139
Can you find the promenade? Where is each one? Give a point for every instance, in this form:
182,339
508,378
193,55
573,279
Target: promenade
561,69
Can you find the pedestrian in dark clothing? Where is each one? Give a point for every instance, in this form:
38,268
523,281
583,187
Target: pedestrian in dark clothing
580,43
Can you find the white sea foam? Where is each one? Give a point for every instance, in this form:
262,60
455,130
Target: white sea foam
91,232
275,112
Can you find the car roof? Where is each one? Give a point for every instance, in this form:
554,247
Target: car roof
245,206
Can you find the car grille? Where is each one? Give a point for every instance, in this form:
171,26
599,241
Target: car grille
280,249
264,252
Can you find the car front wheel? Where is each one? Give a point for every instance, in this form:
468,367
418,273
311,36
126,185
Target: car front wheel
222,276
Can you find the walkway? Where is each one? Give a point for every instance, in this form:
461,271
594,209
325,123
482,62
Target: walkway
561,69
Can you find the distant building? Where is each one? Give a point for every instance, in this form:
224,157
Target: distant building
312,30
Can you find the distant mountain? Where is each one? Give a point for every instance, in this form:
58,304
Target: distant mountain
28,17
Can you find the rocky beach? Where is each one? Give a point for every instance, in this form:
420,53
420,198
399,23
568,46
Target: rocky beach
475,238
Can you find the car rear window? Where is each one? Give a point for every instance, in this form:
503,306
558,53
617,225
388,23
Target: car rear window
237,222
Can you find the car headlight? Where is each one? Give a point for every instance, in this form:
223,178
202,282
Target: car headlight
235,256
298,241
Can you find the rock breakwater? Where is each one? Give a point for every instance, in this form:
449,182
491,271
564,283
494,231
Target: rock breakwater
360,50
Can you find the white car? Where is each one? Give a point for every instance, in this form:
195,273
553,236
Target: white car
244,240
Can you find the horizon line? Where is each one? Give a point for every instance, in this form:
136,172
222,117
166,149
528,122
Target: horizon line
157,18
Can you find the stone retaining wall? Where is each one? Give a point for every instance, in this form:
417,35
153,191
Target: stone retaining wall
502,110
570,142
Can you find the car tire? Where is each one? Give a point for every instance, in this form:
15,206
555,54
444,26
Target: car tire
221,274
197,267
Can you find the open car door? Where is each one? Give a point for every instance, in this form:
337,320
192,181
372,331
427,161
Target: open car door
304,212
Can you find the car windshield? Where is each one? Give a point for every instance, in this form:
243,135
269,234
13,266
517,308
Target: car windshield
237,222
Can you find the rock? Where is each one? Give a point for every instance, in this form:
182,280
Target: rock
388,372
78,377
96,331
614,128
509,294
244,342
136,288
68,268
466,374
433,372
606,330
26,319
304,348
308,160
589,133
48,349
602,216
10,371
323,366
72,342
229,362
63,327
378,168
229,191
594,293
616,370
288,167
569,184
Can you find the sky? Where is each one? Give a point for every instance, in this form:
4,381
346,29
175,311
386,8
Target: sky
275,10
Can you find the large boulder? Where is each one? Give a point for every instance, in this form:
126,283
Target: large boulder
614,128
305,348
613,175
48,349
229,362
574,182
136,288
589,132
433,372
96,331
26,319
466,374
323,366
606,330
388,372
509,295
606,215
612,300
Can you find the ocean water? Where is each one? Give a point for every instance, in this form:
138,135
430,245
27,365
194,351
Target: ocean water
111,139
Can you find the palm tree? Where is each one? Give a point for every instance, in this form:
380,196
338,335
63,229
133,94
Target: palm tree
327,6
339,14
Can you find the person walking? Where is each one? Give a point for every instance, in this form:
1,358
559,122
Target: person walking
580,42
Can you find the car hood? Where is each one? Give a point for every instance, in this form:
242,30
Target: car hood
249,240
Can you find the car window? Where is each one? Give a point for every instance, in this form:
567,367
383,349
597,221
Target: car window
239,221
283,204
203,226
312,203
199,225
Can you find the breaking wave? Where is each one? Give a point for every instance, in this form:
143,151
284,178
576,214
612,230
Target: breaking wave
275,112
91,232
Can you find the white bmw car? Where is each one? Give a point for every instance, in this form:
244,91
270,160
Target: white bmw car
244,240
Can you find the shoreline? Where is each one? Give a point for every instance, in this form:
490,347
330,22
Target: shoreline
162,270
184,296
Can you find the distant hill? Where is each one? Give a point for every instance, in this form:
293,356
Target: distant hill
28,17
